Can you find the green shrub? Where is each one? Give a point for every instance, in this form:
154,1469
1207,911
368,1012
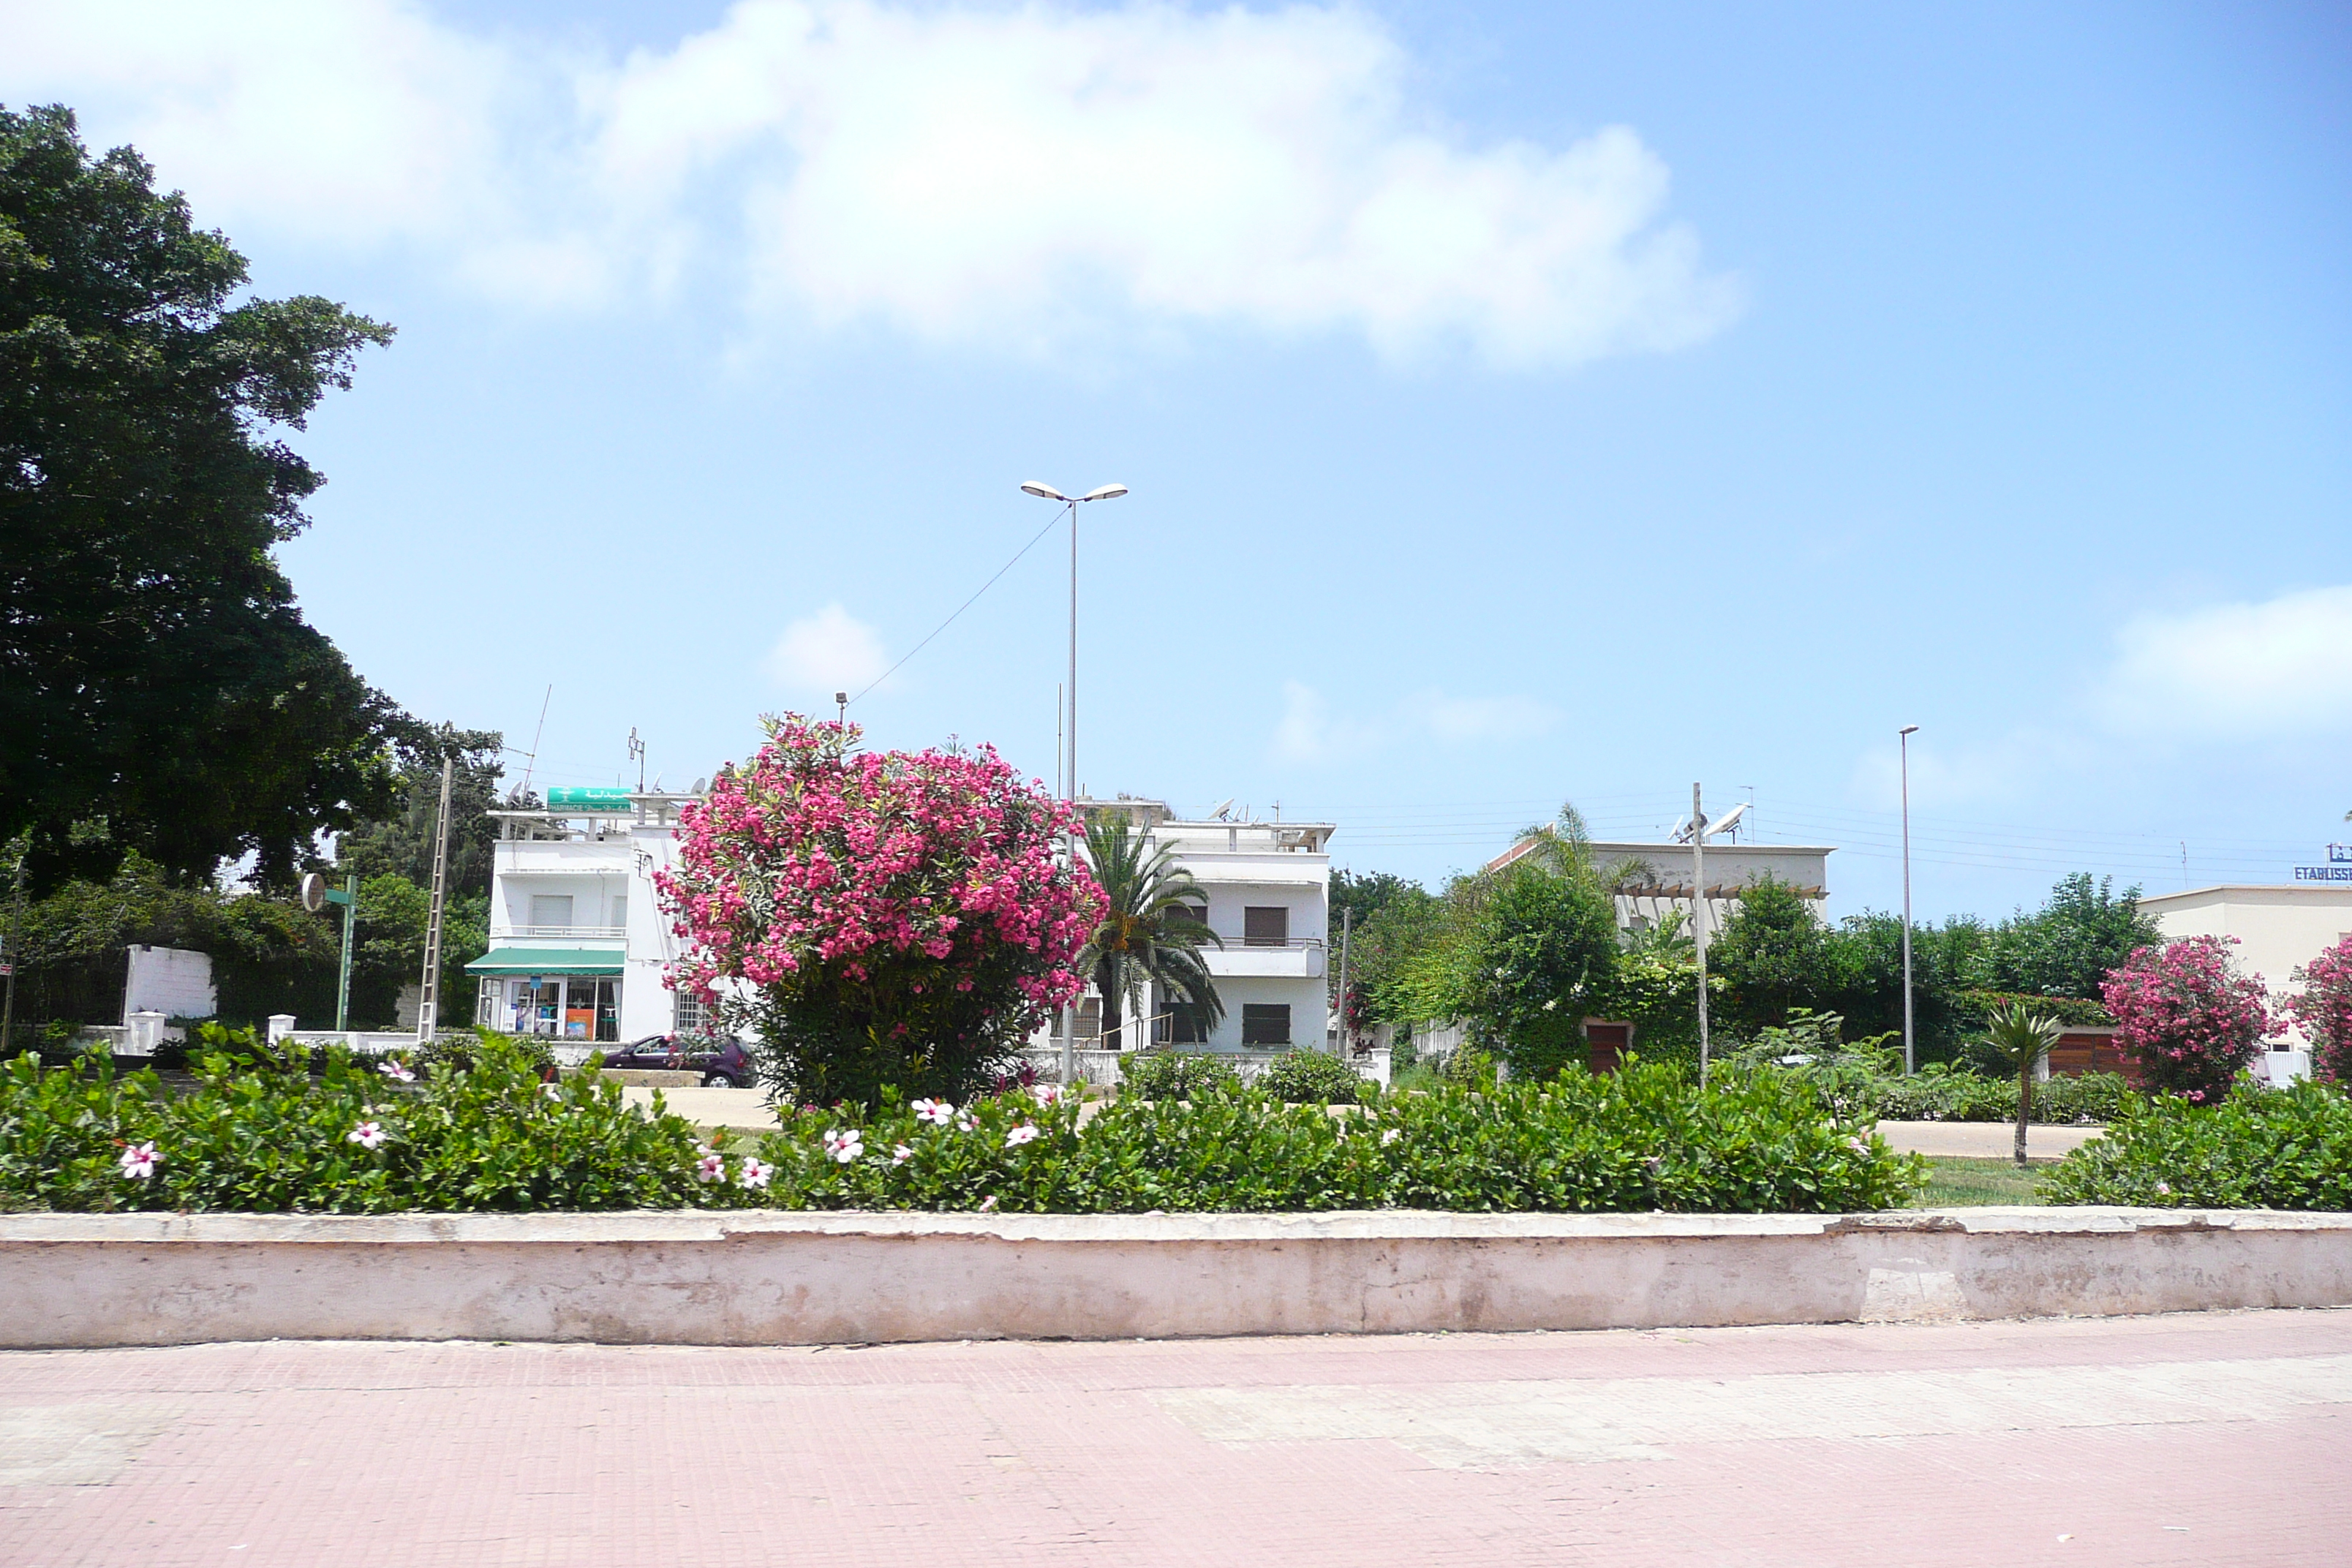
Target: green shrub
1939,1092
1467,1067
258,1131
1643,1138
1314,1076
2260,1148
1176,1075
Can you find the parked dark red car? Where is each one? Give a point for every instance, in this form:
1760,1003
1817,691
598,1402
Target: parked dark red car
723,1063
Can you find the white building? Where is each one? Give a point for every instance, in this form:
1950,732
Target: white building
578,945
1654,881
2280,927
1268,885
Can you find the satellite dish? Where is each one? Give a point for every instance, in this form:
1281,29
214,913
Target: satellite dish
314,892
702,786
1217,812
1729,820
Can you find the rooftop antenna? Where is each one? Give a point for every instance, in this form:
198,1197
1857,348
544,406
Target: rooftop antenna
840,708
1222,810
638,755
531,761
1751,811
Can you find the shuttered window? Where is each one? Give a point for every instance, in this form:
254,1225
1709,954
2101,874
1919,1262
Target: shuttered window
1266,927
1265,1023
550,909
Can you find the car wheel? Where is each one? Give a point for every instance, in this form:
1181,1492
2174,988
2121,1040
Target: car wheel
717,1081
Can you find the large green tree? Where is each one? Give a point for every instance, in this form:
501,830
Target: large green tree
159,690
400,842
1774,955
2067,947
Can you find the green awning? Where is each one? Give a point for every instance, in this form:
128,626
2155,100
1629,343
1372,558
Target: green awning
548,960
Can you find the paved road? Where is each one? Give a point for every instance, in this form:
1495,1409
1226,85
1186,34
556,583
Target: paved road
2200,1439
1985,1140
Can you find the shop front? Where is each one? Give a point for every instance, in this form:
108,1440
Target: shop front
570,993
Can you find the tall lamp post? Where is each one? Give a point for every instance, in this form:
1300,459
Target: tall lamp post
1069,779
1902,741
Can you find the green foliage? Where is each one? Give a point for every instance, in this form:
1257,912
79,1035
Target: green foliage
1812,1049
1469,1068
1310,1077
1546,959
159,688
1148,934
398,842
259,1131
2067,947
1645,1138
1776,958
1940,1093
2260,1148
1175,1075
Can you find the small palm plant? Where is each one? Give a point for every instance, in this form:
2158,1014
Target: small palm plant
2022,1039
1149,930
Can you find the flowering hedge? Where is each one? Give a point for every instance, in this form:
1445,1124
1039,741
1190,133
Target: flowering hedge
257,1131
2185,1015
2258,1148
2324,1009
896,918
1643,1138
254,1133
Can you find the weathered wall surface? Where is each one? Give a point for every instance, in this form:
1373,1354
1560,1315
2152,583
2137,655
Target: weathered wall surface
771,1278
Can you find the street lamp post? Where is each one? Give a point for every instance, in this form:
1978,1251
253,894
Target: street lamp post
1903,739
1069,779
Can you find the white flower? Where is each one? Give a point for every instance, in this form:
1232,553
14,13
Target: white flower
1048,1094
964,1123
1391,1136
754,1173
2164,1188
1552,1004
553,1090
367,1134
710,1167
844,1145
939,1112
1857,1145
900,1153
396,1070
138,1161
1024,1133
988,1203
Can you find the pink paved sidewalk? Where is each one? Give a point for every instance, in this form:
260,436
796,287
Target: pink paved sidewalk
2206,1439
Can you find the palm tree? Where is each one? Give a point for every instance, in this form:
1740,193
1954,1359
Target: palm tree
2022,1039
1149,930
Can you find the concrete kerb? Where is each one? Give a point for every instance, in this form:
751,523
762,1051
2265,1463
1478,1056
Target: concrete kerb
752,1278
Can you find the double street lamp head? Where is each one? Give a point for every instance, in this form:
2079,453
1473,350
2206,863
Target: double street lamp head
1907,729
1045,491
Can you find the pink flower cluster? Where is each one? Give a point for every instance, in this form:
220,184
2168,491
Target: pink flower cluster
2187,1015
2324,1010
913,871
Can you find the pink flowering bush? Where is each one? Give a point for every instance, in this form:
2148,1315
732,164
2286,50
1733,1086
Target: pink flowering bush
2186,1016
898,919
2324,1010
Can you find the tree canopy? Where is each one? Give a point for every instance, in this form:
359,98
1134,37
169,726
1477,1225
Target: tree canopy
160,691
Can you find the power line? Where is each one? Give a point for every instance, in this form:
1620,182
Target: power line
960,609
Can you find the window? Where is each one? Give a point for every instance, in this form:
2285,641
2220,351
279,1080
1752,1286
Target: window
1187,1024
1265,1023
1265,928
687,1015
550,909
1198,912
621,912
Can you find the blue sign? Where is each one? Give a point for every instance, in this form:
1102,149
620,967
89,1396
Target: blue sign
2338,870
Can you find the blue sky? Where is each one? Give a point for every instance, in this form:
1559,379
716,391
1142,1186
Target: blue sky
1519,403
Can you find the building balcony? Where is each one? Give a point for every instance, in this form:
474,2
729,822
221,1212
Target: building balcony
558,934
1299,958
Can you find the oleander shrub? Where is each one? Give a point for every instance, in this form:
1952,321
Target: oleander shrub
1175,1075
2259,1148
258,1130
1313,1078
1643,1138
2187,1015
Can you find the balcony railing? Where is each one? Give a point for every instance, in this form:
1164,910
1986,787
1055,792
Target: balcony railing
1289,942
560,933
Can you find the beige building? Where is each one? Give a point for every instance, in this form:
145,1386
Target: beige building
2279,926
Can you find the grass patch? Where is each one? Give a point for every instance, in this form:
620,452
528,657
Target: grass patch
1974,1183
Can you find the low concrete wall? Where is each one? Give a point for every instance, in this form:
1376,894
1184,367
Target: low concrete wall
710,1278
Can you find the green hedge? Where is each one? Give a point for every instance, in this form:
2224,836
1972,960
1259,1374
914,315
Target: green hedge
256,1133
1315,1078
1941,1096
2260,1148
1645,1138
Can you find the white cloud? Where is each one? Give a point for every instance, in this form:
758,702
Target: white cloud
1309,732
964,174
2239,670
829,652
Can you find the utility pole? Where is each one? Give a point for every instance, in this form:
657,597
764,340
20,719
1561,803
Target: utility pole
16,943
429,1004
1347,928
349,899
1910,1054
1699,920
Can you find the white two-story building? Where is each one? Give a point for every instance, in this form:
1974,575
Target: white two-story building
1268,885
578,945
